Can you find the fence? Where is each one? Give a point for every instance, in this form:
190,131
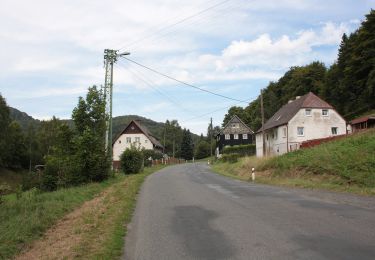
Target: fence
312,143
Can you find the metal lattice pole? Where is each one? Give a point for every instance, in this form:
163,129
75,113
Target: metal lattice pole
110,57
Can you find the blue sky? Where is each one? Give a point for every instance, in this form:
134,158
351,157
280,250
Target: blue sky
52,51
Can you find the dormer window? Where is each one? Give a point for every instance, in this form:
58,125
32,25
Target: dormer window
324,112
307,112
277,119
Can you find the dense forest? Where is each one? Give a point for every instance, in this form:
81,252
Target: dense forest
348,85
26,142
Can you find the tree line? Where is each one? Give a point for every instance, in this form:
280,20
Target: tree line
348,84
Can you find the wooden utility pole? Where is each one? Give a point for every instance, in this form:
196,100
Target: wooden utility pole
211,130
262,112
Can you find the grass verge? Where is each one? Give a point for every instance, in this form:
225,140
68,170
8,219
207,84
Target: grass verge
95,229
346,165
28,218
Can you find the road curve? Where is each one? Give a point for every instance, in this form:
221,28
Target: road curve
188,212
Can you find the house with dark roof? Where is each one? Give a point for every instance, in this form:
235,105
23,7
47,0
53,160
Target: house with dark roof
134,134
306,118
236,132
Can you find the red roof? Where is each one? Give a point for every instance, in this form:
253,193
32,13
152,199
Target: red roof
362,119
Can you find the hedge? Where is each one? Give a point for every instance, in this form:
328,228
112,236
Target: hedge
248,149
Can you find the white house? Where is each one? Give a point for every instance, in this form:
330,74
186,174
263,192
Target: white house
306,118
133,134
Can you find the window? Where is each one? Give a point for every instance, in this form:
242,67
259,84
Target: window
236,125
308,112
275,134
300,131
137,139
235,136
334,130
284,131
146,141
119,141
244,136
128,140
324,112
227,137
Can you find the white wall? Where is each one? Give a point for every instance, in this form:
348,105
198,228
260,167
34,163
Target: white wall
121,145
315,126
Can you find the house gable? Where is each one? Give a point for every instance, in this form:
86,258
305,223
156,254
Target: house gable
236,126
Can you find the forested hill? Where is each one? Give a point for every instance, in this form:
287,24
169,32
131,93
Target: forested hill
156,128
22,118
348,85
119,123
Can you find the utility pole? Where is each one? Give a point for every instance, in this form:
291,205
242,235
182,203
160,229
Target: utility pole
211,130
110,57
262,112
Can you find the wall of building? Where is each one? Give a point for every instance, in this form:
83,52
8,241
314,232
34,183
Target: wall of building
222,142
315,126
121,145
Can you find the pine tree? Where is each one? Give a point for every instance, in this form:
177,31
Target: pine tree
187,149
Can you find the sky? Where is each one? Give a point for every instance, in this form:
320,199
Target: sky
52,51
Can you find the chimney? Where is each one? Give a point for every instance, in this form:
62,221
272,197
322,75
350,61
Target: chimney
297,97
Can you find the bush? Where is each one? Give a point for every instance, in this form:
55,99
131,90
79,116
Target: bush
231,158
155,155
131,161
248,149
202,150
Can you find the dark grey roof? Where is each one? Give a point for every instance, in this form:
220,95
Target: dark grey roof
148,134
243,127
145,131
288,111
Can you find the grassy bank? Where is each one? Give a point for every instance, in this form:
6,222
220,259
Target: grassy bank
26,219
11,178
343,165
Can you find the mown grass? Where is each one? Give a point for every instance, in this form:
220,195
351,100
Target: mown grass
110,226
343,165
25,219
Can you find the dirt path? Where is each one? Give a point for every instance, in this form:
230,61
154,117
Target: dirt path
61,241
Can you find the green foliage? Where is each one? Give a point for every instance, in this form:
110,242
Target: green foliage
78,156
132,160
352,159
149,153
202,150
248,149
231,157
187,146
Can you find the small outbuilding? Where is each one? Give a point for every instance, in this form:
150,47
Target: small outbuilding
363,123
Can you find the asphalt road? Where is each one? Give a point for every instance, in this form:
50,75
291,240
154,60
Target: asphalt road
188,212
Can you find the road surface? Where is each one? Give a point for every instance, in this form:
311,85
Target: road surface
188,212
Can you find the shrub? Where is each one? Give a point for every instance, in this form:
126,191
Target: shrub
248,149
131,161
231,158
147,153
202,150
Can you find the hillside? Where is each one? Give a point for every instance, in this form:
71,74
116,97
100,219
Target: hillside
119,122
347,164
22,118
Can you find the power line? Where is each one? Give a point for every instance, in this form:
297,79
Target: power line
147,82
184,83
158,38
176,23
